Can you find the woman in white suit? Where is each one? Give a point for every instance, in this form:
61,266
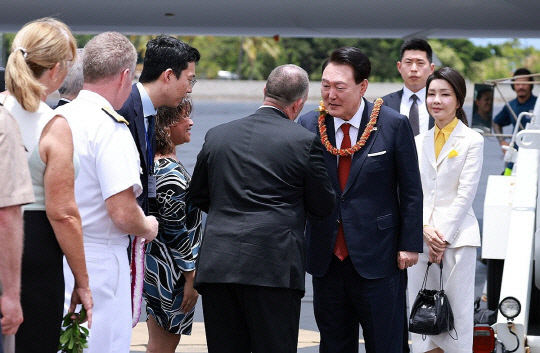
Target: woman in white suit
450,158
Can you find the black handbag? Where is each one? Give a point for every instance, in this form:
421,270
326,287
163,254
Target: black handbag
431,313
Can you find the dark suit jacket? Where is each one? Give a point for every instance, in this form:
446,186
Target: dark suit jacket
258,178
61,102
381,206
393,100
132,111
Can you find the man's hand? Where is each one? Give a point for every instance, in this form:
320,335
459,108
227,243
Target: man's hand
82,295
407,259
12,315
153,226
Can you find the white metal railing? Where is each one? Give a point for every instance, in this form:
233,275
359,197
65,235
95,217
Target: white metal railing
517,273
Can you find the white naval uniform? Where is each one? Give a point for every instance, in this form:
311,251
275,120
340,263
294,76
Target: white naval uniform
109,164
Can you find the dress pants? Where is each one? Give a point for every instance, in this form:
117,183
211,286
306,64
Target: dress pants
404,279
241,318
108,270
343,300
459,267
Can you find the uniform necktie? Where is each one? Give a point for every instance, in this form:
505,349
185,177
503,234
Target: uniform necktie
439,143
344,167
413,115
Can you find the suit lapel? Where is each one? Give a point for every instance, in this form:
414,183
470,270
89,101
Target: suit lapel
394,101
428,147
452,143
139,122
329,158
360,157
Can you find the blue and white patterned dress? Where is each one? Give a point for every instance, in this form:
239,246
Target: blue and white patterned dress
174,250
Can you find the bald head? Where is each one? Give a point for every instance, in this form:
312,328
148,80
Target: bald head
286,84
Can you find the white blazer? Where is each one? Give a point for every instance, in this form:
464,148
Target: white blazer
449,183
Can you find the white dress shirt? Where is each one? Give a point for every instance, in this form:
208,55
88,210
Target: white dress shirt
405,107
147,105
353,131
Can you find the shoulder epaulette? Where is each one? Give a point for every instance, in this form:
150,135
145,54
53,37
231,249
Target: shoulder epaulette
117,117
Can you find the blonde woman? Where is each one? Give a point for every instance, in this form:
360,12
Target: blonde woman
450,157
40,56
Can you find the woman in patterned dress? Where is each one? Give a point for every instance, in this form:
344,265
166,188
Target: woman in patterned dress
170,258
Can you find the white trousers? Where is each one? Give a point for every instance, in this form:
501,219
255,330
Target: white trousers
108,271
459,266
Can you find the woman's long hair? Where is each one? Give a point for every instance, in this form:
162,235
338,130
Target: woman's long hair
458,85
37,47
165,118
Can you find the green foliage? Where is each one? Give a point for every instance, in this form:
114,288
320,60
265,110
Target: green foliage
254,57
217,53
73,337
447,55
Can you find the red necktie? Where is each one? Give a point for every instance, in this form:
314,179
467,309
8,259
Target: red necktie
344,167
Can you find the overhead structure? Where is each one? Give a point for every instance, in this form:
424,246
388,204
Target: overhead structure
289,18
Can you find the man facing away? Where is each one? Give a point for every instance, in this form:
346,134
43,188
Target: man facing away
524,102
107,186
73,82
258,178
355,254
168,75
16,191
415,65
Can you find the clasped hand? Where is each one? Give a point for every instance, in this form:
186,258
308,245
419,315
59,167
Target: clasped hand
436,244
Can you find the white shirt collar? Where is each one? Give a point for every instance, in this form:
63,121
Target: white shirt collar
354,121
95,98
271,106
407,93
147,105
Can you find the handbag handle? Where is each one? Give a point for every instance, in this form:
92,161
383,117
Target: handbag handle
426,275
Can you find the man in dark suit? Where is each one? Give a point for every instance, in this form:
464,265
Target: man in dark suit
355,255
258,178
415,65
168,75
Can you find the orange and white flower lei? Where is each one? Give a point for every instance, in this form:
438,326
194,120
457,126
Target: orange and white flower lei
361,142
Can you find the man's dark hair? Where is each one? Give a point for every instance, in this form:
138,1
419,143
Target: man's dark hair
166,52
481,92
354,58
416,44
523,71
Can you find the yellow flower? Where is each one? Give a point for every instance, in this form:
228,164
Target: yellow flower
452,154
322,107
